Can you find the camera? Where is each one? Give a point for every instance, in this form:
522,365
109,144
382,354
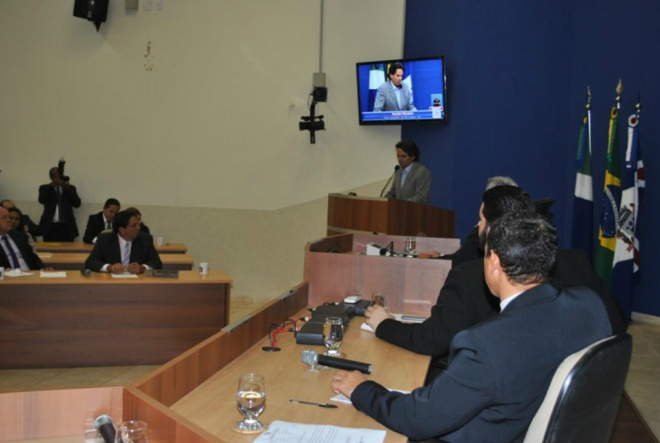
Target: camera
60,170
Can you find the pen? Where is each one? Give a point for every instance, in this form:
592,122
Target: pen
320,405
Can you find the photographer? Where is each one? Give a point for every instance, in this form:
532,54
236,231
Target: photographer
59,197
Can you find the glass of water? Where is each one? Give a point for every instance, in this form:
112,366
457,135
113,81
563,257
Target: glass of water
251,402
410,246
333,335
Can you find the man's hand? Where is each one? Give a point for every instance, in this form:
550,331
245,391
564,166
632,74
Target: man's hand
136,268
376,314
117,268
345,382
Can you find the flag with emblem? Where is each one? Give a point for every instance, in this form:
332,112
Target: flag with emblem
609,219
583,201
625,267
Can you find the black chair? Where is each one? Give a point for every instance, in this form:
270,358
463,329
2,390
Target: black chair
584,396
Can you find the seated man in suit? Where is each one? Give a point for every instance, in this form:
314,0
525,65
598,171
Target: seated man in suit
98,223
33,228
465,300
15,252
469,250
499,370
412,181
125,249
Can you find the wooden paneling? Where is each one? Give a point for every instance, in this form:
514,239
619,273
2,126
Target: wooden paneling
178,377
98,321
394,217
405,282
45,414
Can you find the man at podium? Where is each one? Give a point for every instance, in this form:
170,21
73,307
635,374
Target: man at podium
412,180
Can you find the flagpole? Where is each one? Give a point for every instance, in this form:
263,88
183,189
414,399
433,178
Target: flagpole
588,107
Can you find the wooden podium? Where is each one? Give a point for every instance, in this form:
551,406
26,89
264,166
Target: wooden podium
347,214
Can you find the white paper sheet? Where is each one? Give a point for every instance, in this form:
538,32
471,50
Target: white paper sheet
287,432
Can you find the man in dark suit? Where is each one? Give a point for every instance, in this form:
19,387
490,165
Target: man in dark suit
499,370
465,300
59,197
98,223
412,181
15,252
33,228
125,249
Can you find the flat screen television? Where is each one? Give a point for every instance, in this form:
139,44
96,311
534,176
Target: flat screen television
421,95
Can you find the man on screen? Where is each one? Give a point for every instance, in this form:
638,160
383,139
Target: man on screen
394,95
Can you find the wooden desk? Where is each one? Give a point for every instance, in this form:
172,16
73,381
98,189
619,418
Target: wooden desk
75,261
66,247
98,320
404,281
287,377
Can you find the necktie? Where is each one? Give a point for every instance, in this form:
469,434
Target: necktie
12,255
126,254
58,213
107,225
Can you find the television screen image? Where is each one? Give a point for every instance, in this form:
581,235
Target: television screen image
414,94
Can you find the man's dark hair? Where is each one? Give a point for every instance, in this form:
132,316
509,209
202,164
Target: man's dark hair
111,202
526,243
121,220
409,147
133,210
393,68
504,199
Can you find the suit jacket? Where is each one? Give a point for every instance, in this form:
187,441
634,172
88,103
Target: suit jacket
32,260
465,300
386,100
499,371
468,251
95,225
416,188
106,251
70,200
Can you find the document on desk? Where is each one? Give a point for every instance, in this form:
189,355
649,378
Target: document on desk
44,255
53,274
398,317
17,273
287,432
124,275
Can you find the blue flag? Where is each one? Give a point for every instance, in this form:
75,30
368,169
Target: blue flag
625,272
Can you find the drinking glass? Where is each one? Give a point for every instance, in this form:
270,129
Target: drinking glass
132,431
333,335
251,402
410,246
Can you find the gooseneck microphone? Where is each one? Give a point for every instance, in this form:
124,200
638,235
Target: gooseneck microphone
313,359
104,425
396,168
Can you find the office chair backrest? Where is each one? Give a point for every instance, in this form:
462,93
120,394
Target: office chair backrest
584,396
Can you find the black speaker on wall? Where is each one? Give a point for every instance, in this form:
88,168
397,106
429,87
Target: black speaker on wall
93,10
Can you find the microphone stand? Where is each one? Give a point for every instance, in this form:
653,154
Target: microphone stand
396,168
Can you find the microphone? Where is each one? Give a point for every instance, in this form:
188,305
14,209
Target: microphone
396,168
313,359
104,425
86,272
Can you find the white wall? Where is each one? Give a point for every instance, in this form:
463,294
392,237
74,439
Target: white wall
202,131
